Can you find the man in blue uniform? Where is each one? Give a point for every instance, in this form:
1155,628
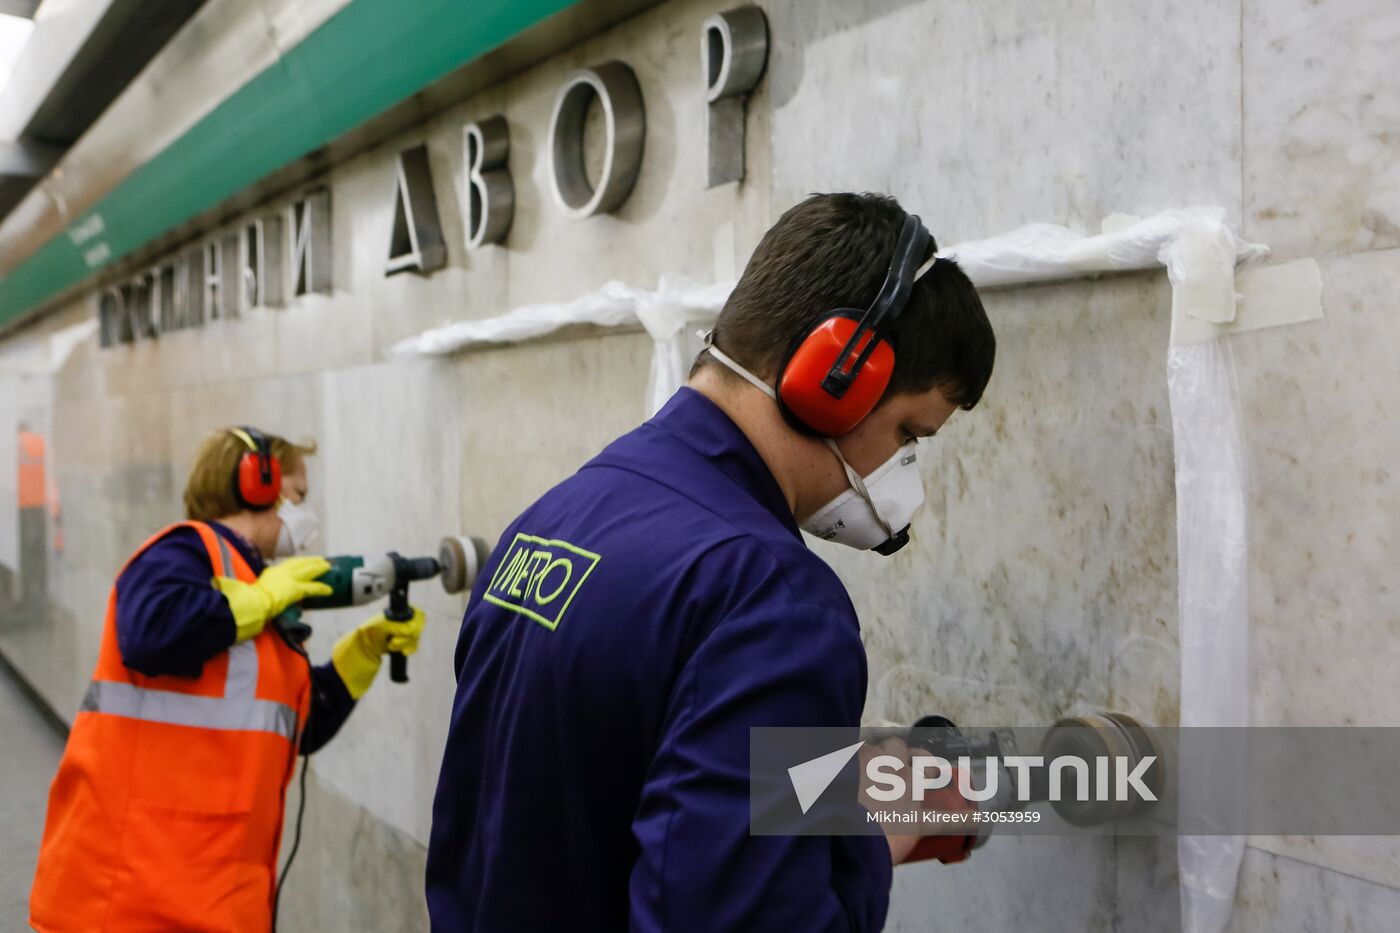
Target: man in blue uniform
635,622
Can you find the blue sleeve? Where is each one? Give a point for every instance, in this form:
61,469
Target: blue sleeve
170,618
331,705
699,868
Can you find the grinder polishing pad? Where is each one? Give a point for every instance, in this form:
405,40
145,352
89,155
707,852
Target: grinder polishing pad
461,559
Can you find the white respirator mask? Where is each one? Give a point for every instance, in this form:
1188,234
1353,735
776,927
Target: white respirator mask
301,529
874,513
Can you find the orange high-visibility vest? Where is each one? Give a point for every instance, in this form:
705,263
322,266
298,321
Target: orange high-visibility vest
31,470
166,812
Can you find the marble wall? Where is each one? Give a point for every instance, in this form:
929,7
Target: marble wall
1042,578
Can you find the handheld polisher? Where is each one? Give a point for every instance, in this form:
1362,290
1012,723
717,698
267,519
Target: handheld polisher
1116,737
355,580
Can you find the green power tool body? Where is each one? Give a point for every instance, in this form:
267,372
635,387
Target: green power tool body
355,580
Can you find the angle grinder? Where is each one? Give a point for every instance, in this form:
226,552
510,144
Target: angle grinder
355,580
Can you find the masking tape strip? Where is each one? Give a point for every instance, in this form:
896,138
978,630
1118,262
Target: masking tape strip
1200,262
1270,296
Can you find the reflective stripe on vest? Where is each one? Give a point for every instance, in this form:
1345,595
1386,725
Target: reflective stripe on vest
239,709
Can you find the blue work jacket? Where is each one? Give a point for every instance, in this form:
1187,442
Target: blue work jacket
629,629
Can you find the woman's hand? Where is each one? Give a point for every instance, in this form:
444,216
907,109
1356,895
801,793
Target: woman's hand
279,586
357,656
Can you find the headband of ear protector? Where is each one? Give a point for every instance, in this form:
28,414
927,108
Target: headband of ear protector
257,479
838,372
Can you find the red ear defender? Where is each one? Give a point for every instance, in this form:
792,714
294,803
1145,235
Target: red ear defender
257,479
839,372
801,389
257,488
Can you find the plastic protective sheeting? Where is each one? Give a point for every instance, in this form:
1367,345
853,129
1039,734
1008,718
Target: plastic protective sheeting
1048,252
670,315
665,313
1199,250
614,305
1212,594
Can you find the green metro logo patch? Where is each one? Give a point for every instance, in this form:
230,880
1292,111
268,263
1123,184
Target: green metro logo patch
539,578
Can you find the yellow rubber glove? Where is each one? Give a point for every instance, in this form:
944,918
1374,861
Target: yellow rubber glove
358,654
280,585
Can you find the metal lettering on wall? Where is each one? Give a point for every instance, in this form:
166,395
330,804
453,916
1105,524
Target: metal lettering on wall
620,98
141,296
271,259
734,51
224,276
125,311
190,273
415,242
111,318
311,243
220,286
490,190
261,264
180,293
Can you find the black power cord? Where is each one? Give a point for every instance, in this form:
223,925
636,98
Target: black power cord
293,634
296,838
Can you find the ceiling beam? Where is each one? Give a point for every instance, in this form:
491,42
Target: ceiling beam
21,8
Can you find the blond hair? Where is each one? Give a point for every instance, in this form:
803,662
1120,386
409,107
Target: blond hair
209,494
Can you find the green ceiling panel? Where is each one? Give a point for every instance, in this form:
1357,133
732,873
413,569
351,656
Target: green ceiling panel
362,61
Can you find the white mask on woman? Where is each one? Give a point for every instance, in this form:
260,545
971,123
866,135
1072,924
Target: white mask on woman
301,529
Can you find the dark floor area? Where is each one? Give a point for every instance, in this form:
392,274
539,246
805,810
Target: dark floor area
30,747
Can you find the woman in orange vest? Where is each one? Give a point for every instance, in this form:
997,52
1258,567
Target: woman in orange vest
166,812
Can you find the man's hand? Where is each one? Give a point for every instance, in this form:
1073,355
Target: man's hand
901,845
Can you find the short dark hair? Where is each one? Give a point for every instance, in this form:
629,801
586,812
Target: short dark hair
833,251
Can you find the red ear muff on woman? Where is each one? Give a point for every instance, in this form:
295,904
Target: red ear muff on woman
257,479
839,371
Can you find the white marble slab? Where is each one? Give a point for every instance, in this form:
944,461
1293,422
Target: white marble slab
1278,893
1054,884
1321,107
1041,576
392,473
1318,401
983,117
